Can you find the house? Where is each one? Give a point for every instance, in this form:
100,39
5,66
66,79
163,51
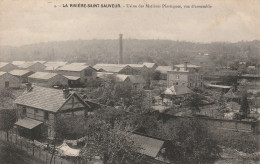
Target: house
7,67
152,148
54,65
32,66
8,80
84,72
135,81
143,71
163,71
21,74
185,74
48,79
116,68
175,92
39,109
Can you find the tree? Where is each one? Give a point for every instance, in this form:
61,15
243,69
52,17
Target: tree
192,142
193,101
7,120
114,144
6,98
244,108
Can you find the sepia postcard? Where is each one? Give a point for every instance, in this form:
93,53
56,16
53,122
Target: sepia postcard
129,81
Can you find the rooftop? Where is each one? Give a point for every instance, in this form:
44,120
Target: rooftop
42,75
149,146
188,66
110,67
55,64
149,65
18,72
177,90
2,73
2,64
73,67
48,99
26,64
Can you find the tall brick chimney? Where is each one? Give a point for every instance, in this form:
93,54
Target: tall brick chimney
120,57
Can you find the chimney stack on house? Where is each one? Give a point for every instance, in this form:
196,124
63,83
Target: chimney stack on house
66,93
28,87
120,60
185,66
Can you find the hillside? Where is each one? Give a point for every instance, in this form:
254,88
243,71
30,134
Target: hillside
164,52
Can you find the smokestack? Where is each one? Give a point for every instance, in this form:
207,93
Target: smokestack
185,66
66,93
120,60
28,87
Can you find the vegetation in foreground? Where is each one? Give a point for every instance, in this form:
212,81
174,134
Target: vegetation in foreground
10,154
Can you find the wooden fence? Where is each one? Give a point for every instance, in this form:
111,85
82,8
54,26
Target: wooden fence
35,151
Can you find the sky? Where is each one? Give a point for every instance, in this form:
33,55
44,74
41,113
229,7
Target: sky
25,22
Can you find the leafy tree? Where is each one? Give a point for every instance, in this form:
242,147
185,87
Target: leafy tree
113,143
192,142
193,101
6,98
7,120
244,108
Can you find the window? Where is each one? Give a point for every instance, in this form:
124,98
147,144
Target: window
46,115
36,111
7,84
24,110
176,83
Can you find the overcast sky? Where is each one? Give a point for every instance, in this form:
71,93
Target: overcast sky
27,21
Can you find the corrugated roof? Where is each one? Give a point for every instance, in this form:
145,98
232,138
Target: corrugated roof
42,98
177,90
28,123
163,69
18,72
42,75
149,146
73,67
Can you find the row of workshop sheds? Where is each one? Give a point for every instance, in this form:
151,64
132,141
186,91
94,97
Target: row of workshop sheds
71,74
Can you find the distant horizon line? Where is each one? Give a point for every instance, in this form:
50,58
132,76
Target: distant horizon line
17,46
